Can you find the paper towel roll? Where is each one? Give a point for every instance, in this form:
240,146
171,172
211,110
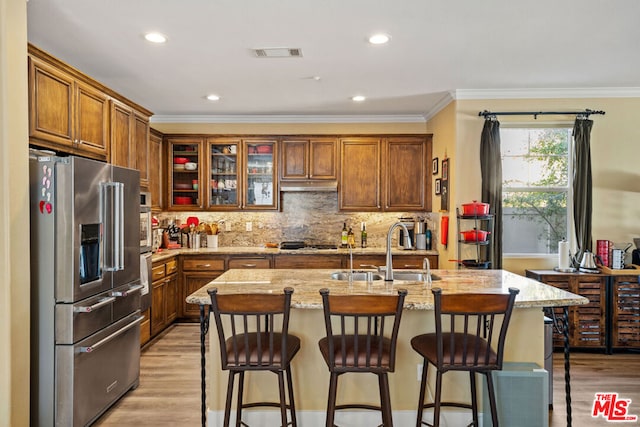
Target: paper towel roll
563,255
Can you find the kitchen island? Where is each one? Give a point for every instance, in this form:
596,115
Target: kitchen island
525,339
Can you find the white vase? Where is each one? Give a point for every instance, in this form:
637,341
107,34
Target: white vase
212,240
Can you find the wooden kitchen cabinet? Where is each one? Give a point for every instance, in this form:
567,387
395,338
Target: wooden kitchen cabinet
182,194
587,323
407,174
164,294
224,184
65,113
197,272
141,134
309,159
259,174
307,261
156,168
385,174
625,316
403,262
249,262
360,174
123,148
130,140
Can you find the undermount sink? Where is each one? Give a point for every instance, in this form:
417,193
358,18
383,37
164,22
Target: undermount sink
411,276
357,275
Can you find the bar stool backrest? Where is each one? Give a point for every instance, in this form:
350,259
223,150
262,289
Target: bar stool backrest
252,328
479,322
362,330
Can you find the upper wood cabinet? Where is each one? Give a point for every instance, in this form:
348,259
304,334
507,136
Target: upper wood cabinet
130,140
259,174
385,174
66,114
224,188
359,187
156,167
141,141
123,148
184,191
71,113
407,178
309,158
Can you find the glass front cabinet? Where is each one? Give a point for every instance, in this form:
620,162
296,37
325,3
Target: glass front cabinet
223,183
222,173
259,174
186,158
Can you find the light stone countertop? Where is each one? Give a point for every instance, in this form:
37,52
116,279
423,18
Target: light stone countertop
257,250
307,283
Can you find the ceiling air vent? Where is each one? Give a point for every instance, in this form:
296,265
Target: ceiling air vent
278,52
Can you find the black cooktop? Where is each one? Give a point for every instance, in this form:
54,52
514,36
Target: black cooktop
303,245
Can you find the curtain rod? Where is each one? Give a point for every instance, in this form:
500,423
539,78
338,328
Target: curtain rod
535,114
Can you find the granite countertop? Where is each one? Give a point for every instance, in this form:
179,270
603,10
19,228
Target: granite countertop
257,250
307,283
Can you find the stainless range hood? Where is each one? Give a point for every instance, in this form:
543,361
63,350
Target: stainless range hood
330,186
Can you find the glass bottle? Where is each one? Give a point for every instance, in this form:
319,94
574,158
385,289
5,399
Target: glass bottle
344,236
363,236
351,238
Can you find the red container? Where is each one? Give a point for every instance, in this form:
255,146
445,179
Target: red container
264,149
180,160
475,208
474,235
182,200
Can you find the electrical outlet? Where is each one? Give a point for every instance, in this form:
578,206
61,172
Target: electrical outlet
249,226
227,226
419,371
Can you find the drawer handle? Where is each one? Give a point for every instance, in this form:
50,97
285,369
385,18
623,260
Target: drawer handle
105,340
249,265
203,265
410,266
90,308
127,292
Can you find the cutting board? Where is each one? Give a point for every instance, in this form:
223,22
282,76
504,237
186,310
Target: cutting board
623,272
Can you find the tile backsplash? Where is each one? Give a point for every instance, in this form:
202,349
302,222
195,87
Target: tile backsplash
306,216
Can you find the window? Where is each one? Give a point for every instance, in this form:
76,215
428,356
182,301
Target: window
536,188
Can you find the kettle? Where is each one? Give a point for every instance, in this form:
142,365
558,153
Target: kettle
588,262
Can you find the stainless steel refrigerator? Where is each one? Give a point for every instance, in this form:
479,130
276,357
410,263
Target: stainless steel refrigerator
85,287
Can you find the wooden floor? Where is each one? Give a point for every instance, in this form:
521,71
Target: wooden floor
169,391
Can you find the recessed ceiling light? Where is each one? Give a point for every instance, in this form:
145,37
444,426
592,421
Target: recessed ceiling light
213,97
358,98
379,38
155,37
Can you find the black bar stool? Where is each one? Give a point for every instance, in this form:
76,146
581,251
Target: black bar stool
254,337
364,342
472,340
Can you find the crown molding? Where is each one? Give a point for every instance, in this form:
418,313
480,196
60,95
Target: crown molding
409,118
443,102
602,92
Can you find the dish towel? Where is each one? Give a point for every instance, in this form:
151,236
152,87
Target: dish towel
144,275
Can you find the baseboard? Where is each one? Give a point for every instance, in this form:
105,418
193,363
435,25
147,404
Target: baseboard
344,418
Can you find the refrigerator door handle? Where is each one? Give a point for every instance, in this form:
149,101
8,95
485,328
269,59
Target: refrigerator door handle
119,225
113,196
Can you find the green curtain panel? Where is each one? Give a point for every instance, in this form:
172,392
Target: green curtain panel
582,193
491,169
